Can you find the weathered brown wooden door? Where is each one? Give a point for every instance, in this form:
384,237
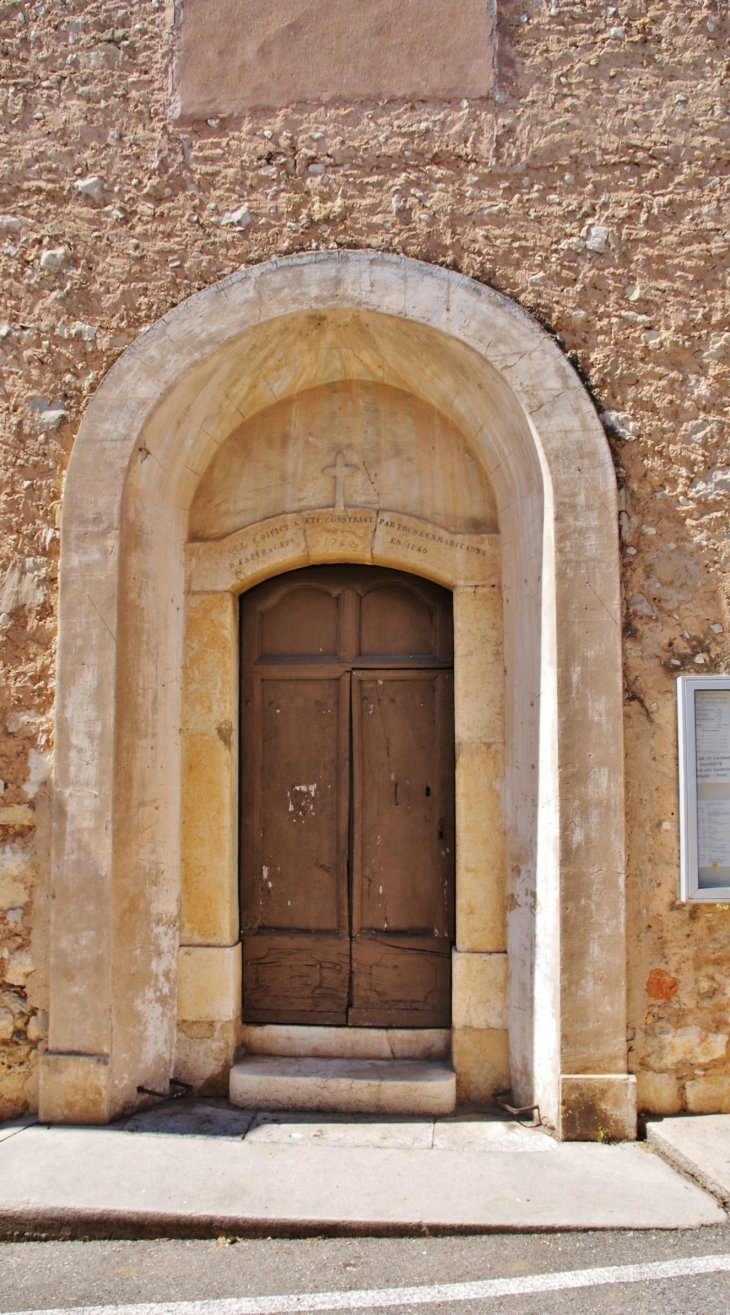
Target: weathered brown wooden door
347,799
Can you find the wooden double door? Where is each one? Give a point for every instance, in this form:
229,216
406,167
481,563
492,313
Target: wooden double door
347,799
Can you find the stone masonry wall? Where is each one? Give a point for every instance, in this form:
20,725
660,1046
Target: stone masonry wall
591,187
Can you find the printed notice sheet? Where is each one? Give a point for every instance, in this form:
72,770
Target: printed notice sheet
712,738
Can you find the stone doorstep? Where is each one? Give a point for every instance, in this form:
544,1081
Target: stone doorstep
346,1042
344,1086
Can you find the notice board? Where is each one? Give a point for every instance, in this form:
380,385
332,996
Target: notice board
703,707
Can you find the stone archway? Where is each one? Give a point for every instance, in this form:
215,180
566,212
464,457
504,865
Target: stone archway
149,435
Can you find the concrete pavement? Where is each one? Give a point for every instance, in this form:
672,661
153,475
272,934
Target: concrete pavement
698,1145
193,1168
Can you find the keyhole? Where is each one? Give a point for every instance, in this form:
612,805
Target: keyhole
441,828
395,792
428,791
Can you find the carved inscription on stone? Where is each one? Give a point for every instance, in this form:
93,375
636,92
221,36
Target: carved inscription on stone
340,536
453,558
285,542
248,555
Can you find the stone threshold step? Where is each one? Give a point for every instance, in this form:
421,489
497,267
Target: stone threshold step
343,1086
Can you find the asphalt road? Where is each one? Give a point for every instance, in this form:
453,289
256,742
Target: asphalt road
65,1275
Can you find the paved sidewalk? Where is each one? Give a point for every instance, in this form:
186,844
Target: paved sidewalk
196,1168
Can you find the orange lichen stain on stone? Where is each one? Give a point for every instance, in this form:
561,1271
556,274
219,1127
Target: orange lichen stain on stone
660,985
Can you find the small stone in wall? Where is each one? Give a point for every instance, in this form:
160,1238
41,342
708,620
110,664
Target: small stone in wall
54,260
641,605
39,770
9,224
92,187
596,238
240,218
47,415
7,1023
20,966
660,985
620,425
86,332
18,815
716,481
666,1046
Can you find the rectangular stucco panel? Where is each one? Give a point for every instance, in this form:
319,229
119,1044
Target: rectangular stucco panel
236,56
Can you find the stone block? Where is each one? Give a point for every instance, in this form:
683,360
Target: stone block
709,1094
480,849
346,1042
74,1089
658,1093
479,990
597,1107
209,719
204,1053
481,1060
210,670
478,664
209,887
209,983
348,1086
15,871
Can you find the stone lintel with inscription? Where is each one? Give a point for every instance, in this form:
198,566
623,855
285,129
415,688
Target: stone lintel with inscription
428,549
383,538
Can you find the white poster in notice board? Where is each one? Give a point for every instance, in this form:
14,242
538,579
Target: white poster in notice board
703,708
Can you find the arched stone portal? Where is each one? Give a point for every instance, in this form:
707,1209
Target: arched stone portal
142,467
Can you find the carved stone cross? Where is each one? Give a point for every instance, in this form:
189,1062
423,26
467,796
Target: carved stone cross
340,470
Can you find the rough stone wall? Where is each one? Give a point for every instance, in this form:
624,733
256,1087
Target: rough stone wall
591,187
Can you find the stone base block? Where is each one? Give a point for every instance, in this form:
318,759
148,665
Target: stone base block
209,983
344,1086
74,1089
597,1107
479,990
204,1052
481,1059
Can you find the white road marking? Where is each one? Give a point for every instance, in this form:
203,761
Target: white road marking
437,1293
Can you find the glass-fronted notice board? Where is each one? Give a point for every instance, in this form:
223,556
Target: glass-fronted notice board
703,706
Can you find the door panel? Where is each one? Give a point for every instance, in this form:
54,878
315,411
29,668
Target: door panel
296,977
300,776
305,622
399,981
296,883
396,621
402,847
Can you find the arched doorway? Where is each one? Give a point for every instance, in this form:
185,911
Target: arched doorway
141,927
347,837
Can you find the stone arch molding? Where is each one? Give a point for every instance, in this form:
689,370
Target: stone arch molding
148,436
